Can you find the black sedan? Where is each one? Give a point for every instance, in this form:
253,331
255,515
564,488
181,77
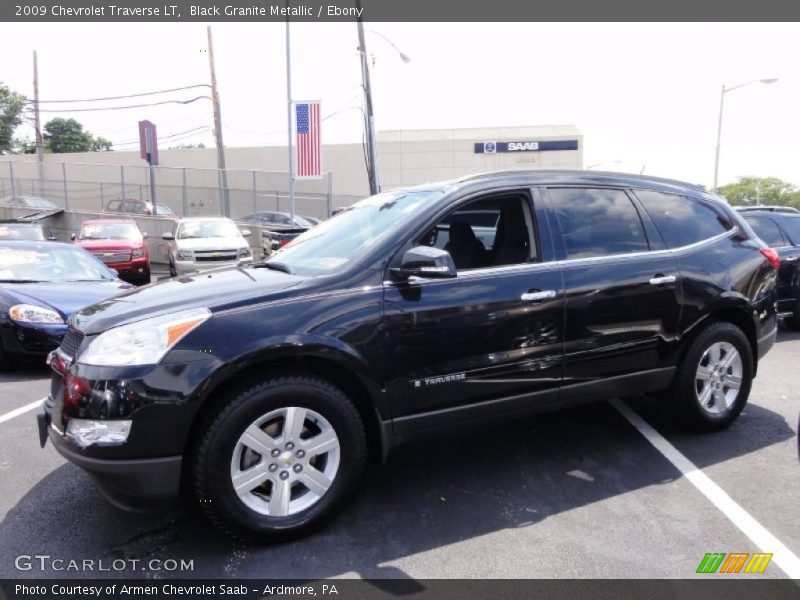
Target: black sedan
41,285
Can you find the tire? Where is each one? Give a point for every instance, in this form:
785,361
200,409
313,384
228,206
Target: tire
707,400
318,484
793,323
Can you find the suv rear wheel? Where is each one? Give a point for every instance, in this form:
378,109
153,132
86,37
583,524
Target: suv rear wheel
713,381
281,459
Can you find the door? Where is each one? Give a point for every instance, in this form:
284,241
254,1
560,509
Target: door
487,341
622,301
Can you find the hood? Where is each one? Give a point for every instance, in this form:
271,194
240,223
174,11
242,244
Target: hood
219,243
110,244
65,297
216,290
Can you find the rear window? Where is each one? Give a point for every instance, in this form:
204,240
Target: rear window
597,222
767,230
792,227
683,221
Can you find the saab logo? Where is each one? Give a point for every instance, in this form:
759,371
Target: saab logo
735,562
437,380
489,147
522,146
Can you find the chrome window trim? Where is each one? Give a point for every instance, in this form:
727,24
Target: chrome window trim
481,273
488,272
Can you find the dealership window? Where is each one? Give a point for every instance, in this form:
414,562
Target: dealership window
490,232
597,222
767,230
683,221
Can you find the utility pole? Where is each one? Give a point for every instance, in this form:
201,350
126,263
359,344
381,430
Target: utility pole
369,122
37,123
223,175
289,116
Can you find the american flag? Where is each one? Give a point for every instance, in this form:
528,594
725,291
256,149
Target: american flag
309,154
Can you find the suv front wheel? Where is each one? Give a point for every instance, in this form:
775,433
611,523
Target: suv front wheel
714,378
281,459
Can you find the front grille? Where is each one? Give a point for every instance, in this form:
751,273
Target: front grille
216,256
71,342
114,257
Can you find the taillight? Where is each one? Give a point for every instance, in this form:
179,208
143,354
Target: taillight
284,242
772,257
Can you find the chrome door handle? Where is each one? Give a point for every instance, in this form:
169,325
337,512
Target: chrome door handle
534,296
662,279
792,259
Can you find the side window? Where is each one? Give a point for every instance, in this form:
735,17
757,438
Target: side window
597,222
682,221
767,230
490,232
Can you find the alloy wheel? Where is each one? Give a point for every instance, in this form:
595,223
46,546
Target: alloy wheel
285,461
718,377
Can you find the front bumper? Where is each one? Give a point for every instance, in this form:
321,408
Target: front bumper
140,485
190,266
32,340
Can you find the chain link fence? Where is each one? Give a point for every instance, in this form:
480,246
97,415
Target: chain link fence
184,191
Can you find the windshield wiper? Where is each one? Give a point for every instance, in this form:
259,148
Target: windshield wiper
275,266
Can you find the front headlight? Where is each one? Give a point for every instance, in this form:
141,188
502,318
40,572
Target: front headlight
185,255
245,253
29,313
143,342
137,253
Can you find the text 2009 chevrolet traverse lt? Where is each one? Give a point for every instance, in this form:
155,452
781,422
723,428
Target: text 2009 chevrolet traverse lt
263,390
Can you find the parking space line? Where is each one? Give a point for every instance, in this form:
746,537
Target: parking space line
784,558
19,411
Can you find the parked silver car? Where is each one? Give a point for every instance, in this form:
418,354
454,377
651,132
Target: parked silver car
198,243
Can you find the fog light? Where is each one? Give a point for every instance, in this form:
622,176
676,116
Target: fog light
86,432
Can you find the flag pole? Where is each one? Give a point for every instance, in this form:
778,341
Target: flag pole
289,115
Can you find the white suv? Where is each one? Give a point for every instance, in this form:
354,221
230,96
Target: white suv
199,243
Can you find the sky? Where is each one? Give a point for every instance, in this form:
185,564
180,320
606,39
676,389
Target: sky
645,96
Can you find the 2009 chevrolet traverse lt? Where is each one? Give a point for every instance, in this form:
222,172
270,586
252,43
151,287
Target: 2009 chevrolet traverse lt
263,389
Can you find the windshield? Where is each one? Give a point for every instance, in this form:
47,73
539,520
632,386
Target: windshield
110,231
334,243
207,229
59,263
18,231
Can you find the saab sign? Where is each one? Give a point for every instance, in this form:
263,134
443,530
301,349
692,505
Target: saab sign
525,146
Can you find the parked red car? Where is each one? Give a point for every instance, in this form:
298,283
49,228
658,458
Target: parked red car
119,243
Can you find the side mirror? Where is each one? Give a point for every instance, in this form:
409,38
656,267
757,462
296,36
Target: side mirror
73,237
426,261
246,232
168,235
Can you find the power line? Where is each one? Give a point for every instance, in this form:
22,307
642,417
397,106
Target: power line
167,137
70,110
187,87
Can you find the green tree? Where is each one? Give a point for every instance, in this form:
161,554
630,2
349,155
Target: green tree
11,107
761,190
67,135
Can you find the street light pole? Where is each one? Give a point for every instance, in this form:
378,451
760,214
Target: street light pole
369,122
724,91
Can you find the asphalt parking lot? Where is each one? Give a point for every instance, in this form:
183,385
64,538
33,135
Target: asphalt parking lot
580,493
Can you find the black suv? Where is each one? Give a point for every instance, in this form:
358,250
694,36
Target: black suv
781,230
263,390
